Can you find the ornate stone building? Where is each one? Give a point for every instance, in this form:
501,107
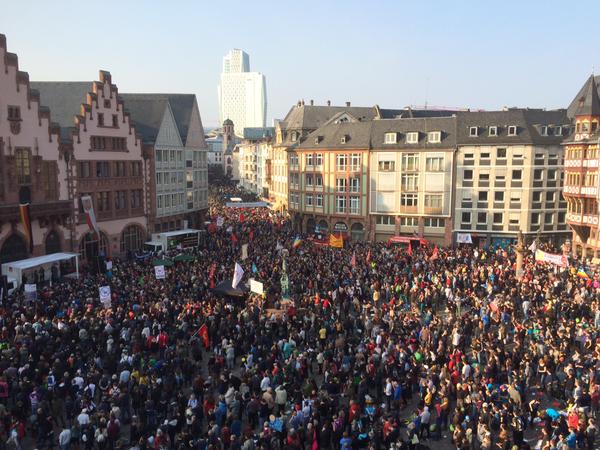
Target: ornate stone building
33,169
106,162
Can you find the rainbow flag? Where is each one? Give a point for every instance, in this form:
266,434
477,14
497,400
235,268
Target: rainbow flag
336,241
297,242
582,273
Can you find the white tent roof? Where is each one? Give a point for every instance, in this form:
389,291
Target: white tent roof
178,232
39,260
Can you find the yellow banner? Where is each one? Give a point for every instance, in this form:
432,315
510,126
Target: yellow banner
336,241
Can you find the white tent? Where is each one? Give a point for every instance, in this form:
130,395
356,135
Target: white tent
14,270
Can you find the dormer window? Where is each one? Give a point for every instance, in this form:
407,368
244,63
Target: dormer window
585,127
434,137
473,131
412,137
390,138
294,136
493,131
318,139
544,130
512,130
345,138
558,131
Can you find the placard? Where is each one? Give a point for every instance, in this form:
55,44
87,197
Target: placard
31,291
105,296
159,272
256,286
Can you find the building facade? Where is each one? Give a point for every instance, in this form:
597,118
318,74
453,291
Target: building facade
509,176
411,178
171,128
242,94
106,162
255,153
581,188
328,178
33,169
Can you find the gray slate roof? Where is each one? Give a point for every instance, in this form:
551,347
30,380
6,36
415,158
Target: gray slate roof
527,121
454,130
64,98
258,133
357,134
584,92
147,110
445,125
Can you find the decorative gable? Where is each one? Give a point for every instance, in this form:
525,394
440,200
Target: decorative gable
168,135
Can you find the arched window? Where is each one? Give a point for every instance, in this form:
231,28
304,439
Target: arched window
13,249
357,231
53,243
132,238
90,247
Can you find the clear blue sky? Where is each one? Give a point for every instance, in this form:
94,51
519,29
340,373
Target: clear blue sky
476,54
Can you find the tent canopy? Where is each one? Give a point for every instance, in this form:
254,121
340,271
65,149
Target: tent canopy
29,263
224,288
162,262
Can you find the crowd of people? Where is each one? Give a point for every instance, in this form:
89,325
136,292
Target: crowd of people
376,348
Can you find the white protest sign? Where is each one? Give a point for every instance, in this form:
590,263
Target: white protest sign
105,296
159,271
220,221
109,265
256,286
30,291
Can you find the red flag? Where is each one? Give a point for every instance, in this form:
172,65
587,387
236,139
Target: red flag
234,238
353,260
369,256
410,250
436,253
242,217
203,333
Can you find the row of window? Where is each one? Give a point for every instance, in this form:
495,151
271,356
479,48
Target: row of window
590,179
410,162
413,137
121,200
493,130
579,153
342,162
582,206
104,143
428,222
514,219
584,126
105,169
515,196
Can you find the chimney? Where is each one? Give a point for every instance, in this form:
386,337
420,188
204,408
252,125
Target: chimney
347,104
328,102
312,102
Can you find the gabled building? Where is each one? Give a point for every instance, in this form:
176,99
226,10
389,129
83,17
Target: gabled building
301,120
33,169
411,178
105,163
509,176
328,177
171,130
581,189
